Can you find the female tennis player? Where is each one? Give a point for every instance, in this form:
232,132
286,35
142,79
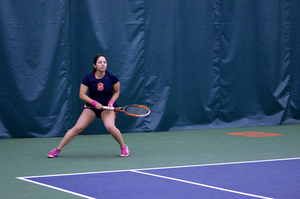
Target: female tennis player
104,90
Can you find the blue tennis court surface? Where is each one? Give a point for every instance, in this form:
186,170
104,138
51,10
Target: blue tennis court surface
256,179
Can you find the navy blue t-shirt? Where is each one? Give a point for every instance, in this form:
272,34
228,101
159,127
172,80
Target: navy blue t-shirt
100,89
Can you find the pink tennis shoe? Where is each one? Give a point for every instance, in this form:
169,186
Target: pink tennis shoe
53,153
125,151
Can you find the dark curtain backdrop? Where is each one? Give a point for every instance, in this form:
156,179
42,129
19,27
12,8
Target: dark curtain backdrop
195,64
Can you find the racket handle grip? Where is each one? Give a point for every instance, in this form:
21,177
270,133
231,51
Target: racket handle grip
108,108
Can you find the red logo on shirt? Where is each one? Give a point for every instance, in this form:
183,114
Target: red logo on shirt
100,86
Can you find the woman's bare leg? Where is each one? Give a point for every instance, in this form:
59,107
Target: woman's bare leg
108,118
86,117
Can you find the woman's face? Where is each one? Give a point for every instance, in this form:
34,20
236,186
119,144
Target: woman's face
101,64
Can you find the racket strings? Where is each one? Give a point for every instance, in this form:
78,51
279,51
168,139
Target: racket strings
136,110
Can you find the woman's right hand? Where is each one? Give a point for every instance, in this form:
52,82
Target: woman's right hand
99,106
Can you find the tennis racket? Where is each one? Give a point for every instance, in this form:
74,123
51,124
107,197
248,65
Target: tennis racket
131,110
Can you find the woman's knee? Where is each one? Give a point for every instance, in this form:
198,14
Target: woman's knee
78,129
110,127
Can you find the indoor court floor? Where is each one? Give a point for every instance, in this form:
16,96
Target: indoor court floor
250,162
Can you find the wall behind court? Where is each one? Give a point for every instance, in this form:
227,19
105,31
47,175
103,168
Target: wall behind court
195,64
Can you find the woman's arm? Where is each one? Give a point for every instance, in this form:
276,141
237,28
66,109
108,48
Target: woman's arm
116,89
83,94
